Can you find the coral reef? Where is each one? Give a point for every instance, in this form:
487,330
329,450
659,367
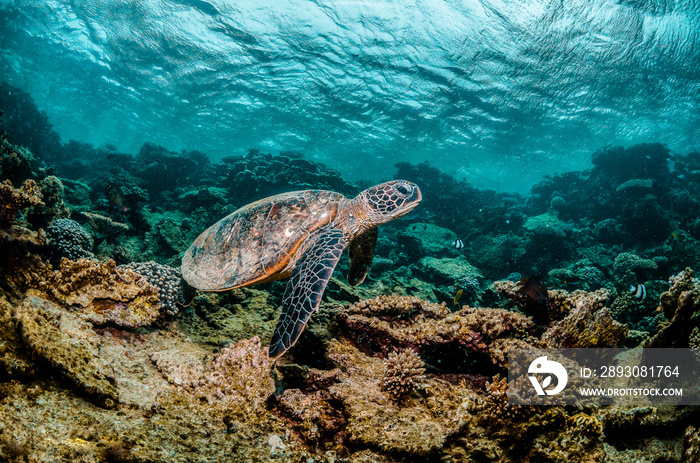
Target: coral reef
99,364
219,319
497,405
404,372
16,162
643,161
162,170
627,263
547,225
25,124
448,270
426,239
579,319
67,343
53,204
240,373
691,445
375,419
498,254
257,175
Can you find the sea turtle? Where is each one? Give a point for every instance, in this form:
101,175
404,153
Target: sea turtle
302,234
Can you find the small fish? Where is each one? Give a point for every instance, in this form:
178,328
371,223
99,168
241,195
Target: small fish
458,295
639,291
458,244
116,196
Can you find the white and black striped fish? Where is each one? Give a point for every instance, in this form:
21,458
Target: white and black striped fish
639,291
458,244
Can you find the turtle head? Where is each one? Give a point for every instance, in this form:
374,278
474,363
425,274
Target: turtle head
390,200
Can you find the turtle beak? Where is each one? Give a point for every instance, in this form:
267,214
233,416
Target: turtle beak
416,197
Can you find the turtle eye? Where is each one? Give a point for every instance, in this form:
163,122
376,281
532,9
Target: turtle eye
402,189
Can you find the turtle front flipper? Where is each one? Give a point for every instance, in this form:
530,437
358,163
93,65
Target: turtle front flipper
361,254
305,288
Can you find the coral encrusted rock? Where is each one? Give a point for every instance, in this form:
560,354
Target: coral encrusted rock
68,344
103,293
473,335
240,373
375,419
588,324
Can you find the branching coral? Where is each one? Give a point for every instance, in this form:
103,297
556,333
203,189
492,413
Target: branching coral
53,207
16,162
13,199
404,372
497,405
628,263
583,424
691,445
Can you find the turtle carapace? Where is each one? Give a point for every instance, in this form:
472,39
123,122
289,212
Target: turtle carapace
299,234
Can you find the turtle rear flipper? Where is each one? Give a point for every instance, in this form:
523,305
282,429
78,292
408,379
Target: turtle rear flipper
361,254
305,288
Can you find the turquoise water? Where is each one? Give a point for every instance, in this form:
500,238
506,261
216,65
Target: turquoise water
495,92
